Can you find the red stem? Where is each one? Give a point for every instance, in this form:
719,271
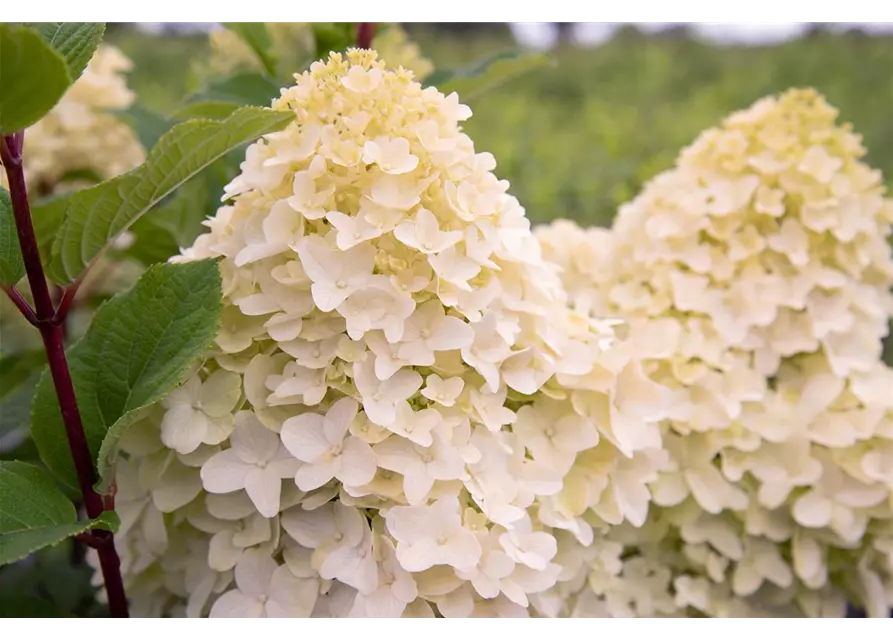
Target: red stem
50,327
21,304
66,298
365,33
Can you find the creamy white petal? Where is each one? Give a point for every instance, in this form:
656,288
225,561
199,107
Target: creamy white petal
225,472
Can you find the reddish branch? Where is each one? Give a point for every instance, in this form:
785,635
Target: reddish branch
50,323
65,300
365,33
21,304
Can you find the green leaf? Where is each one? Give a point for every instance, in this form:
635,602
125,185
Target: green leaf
256,36
33,78
487,74
12,266
34,513
15,545
148,125
80,175
15,414
95,216
176,223
215,110
76,42
246,88
46,216
223,96
49,575
136,350
333,36
15,368
26,451
153,243
29,607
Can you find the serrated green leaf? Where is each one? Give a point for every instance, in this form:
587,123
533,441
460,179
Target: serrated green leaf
33,78
94,217
148,125
257,36
15,545
486,74
30,499
34,513
76,42
12,266
29,607
138,346
215,110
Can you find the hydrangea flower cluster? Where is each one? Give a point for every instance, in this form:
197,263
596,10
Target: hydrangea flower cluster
80,137
402,415
756,280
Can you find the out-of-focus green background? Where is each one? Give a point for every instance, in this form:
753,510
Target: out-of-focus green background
577,139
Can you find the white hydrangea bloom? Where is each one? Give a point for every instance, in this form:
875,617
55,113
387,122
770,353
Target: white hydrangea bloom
417,397
266,590
80,135
755,278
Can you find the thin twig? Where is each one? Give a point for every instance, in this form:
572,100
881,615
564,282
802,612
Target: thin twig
21,304
68,294
53,340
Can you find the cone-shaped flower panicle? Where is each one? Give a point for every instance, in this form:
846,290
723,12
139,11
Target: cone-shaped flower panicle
400,408
755,278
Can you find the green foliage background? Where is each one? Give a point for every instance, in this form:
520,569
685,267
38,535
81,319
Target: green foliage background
580,138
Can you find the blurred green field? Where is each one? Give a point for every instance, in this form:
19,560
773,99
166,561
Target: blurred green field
577,139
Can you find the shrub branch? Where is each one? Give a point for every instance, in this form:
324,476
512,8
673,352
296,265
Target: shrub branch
50,323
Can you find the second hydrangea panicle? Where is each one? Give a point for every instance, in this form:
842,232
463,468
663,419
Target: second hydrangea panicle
421,415
755,277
